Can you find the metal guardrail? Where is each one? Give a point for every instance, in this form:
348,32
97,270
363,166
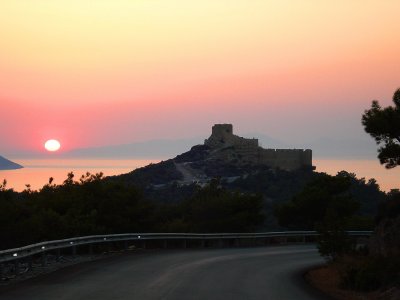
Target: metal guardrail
41,248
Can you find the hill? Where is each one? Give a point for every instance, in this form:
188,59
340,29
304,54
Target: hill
238,169
6,164
223,155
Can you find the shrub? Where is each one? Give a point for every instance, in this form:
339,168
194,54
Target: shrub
369,274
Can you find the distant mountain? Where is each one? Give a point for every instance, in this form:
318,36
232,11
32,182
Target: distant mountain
341,148
267,141
148,149
161,148
326,147
322,147
6,164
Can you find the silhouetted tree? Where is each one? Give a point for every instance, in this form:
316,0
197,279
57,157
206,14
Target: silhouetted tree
327,206
3,186
215,209
383,124
310,207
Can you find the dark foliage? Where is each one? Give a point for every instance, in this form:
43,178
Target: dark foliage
323,196
379,269
327,205
275,186
391,208
88,206
154,174
172,193
93,205
383,124
371,273
215,209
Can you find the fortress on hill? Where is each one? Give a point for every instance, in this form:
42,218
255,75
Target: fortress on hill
226,146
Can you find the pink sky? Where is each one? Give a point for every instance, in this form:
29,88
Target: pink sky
93,73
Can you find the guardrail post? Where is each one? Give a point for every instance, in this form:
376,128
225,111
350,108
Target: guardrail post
236,242
2,270
202,243
90,249
73,250
58,254
165,244
126,246
184,244
220,243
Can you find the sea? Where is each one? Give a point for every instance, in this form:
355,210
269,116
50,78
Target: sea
36,172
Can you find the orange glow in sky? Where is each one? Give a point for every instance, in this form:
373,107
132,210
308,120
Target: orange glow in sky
118,71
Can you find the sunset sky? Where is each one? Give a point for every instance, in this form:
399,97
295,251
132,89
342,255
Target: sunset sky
106,72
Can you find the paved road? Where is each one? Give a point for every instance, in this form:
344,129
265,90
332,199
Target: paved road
239,273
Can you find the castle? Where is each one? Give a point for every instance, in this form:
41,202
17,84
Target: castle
229,147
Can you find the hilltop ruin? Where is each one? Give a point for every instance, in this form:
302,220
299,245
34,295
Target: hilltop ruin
228,147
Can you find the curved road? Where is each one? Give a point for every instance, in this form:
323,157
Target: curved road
238,273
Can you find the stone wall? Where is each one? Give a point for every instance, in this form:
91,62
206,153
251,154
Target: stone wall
287,159
230,147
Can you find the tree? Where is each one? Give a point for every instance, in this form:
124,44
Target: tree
215,209
383,124
323,195
324,205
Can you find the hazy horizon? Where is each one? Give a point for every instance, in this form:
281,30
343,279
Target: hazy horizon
168,148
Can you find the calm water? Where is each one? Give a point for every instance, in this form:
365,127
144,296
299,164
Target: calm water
37,171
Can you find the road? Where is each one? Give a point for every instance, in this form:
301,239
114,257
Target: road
268,273
189,175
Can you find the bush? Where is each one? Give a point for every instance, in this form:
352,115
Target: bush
369,274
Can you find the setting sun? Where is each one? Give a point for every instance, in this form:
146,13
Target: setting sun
52,145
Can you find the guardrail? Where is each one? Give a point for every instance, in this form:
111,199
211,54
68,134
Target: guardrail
21,253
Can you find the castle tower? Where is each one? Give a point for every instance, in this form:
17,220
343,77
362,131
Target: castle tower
222,130
222,135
